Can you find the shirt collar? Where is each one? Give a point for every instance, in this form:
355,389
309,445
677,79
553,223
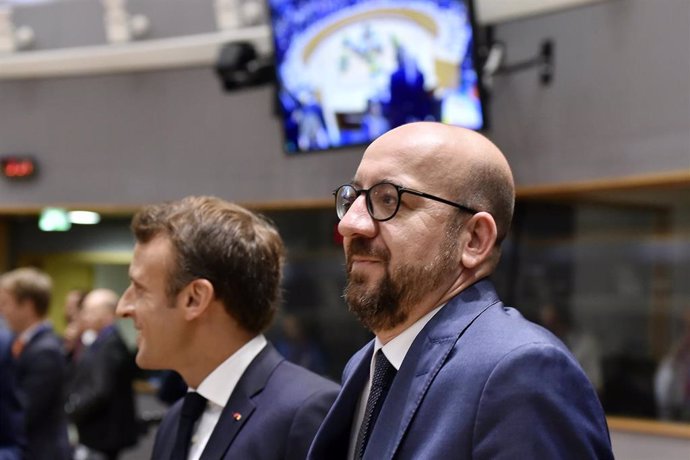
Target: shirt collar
103,334
219,384
32,330
396,349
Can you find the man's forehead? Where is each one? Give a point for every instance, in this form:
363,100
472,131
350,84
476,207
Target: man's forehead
155,252
401,169
156,245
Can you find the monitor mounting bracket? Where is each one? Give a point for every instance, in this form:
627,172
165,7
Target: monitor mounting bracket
494,64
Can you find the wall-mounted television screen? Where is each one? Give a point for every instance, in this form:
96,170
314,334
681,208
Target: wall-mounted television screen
349,70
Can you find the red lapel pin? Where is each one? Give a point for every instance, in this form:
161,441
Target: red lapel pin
237,416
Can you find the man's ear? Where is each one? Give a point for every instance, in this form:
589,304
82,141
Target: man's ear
196,297
482,239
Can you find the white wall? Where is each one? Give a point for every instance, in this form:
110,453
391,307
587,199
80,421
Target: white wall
619,106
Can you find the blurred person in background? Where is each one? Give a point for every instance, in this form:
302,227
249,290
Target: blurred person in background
12,438
672,378
205,283
73,329
40,362
100,399
583,345
298,345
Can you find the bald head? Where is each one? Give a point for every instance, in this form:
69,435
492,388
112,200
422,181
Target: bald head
456,163
411,252
98,309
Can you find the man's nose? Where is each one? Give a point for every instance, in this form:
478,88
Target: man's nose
124,305
357,221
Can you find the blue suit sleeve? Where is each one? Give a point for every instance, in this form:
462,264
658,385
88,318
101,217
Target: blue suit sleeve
538,403
12,436
47,365
307,421
165,434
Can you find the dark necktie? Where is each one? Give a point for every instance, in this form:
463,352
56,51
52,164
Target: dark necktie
192,408
383,376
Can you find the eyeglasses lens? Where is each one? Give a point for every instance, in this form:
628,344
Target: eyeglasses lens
344,197
383,201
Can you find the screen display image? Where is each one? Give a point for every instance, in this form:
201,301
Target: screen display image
349,70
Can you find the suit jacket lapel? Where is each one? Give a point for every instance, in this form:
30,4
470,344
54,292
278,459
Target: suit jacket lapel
24,359
422,363
167,433
36,336
240,405
333,439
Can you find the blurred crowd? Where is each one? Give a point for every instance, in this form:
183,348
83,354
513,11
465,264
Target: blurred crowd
63,397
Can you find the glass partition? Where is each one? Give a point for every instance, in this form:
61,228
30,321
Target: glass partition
609,273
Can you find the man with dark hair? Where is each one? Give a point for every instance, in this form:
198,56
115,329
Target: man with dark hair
452,372
205,283
100,398
40,362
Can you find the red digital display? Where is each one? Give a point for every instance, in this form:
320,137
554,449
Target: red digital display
18,167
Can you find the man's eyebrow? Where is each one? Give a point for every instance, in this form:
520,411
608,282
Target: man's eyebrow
133,278
385,180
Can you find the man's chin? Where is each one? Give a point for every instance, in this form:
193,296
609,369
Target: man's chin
365,278
144,361
360,290
374,303
373,317
140,360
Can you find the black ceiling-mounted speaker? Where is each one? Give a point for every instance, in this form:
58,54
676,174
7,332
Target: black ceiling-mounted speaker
239,66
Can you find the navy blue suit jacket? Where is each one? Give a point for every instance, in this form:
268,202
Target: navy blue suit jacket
12,438
41,373
281,407
478,382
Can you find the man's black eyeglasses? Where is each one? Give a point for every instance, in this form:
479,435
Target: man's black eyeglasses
383,200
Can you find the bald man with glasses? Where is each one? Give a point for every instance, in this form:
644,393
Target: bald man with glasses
452,372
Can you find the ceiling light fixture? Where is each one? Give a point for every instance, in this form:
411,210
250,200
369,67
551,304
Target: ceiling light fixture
84,217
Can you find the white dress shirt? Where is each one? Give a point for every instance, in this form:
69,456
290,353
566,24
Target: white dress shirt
217,388
395,351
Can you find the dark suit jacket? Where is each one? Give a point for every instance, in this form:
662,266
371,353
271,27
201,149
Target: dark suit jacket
478,382
101,399
281,407
12,436
41,372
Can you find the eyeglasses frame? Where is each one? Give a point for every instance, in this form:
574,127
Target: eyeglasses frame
400,189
